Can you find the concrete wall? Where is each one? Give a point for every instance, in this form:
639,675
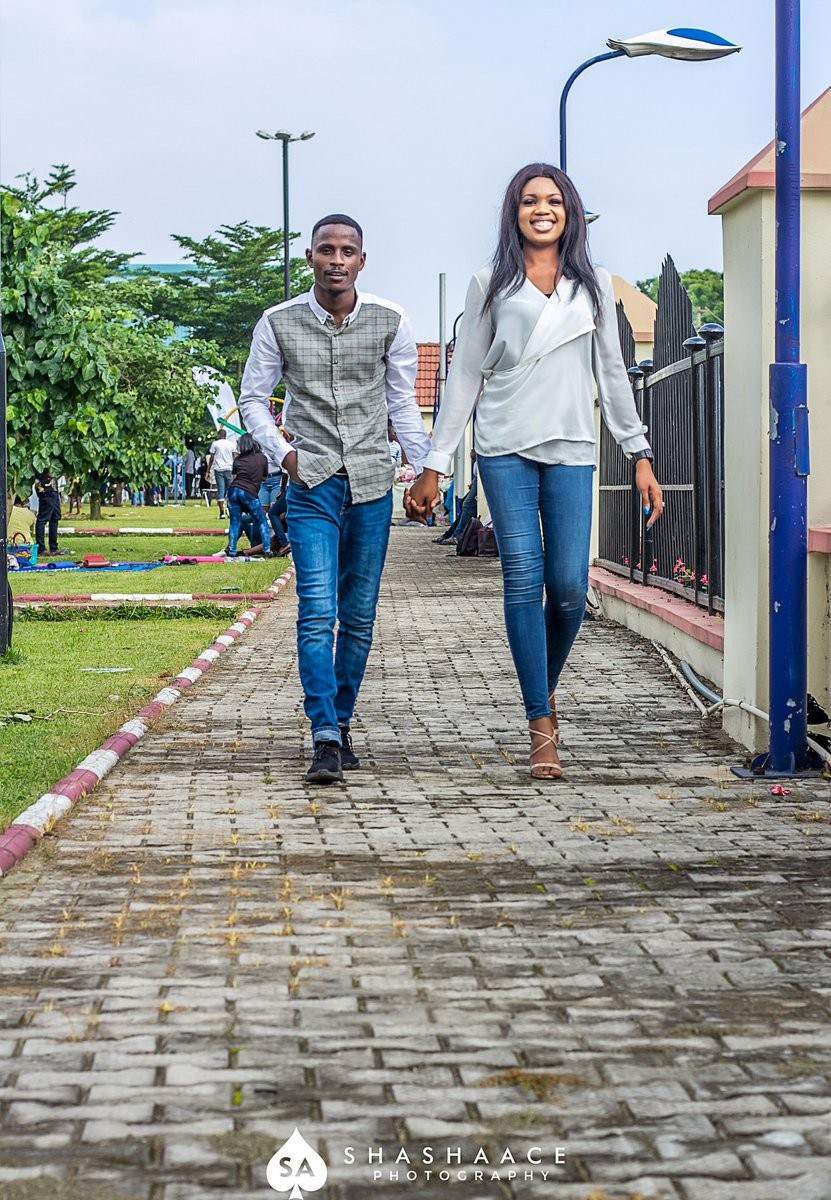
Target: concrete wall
749,232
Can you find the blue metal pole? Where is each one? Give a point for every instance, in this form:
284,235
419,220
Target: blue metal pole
564,96
789,459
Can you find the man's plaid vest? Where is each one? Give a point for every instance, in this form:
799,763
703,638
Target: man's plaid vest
336,409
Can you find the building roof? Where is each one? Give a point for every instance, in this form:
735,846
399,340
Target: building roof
760,172
428,367
640,309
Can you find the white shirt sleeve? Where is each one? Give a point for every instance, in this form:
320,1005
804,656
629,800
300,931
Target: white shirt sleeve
614,390
263,371
402,368
464,381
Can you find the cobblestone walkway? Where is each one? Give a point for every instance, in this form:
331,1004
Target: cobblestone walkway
632,964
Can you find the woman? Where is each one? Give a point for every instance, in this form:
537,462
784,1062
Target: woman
538,324
250,468
49,513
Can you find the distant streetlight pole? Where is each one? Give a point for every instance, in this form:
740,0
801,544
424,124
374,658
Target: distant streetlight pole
281,135
5,598
692,45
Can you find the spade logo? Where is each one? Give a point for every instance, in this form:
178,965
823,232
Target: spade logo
296,1168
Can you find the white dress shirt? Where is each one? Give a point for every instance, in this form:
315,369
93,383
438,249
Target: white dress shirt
264,370
528,369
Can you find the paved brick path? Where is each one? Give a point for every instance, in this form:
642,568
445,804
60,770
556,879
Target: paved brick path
633,964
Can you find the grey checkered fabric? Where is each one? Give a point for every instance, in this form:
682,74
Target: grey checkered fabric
336,379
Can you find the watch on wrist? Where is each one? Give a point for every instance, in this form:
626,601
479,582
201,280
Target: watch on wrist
639,454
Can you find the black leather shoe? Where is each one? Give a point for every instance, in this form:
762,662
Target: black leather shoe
326,765
348,757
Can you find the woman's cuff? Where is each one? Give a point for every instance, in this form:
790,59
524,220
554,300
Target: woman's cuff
436,461
632,445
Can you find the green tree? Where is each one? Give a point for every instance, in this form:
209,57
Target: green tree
705,288
235,274
98,390
69,230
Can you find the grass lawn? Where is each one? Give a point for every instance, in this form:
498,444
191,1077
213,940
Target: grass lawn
41,674
192,515
204,577
132,547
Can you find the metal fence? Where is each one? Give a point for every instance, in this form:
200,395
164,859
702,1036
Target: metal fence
680,396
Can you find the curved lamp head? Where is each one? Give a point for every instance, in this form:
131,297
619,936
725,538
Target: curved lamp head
694,45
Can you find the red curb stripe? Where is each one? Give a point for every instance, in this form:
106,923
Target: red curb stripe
15,844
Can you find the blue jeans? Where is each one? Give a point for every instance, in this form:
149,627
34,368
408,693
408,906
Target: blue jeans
270,489
339,550
223,482
542,519
239,502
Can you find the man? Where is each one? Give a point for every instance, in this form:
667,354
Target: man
190,471
349,362
222,460
49,513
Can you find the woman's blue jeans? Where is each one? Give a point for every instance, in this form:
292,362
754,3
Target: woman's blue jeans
339,550
542,516
239,502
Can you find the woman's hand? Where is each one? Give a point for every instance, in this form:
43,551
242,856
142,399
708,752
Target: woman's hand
652,498
422,497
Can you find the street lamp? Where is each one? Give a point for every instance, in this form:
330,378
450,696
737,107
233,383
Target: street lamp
281,135
692,45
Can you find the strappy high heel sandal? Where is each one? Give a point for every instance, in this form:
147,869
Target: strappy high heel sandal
552,703
546,770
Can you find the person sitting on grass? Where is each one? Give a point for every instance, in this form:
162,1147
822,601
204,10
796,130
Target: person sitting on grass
249,470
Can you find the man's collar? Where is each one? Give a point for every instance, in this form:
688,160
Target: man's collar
322,314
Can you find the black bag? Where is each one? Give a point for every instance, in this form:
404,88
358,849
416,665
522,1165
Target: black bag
468,544
486,542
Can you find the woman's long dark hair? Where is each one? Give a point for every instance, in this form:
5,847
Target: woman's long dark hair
247,445
508,273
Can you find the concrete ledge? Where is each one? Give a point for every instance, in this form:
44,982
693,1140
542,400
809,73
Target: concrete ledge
819,539
683,628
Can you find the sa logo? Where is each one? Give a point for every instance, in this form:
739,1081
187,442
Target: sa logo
296,1167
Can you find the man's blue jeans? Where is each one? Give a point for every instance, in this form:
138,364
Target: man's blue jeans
239,502
542,516
339,550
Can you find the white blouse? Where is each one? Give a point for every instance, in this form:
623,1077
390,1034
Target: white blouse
528,368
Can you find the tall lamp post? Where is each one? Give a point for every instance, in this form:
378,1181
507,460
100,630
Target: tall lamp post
789,753
281,135
692,45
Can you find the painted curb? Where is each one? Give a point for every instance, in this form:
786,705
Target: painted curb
142,598
132,530
39,818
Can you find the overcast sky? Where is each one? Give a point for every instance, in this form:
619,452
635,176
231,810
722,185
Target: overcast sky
422,110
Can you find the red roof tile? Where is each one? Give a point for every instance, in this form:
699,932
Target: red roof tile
428,373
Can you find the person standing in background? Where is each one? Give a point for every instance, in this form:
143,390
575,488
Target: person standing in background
222,461
49,512
190,471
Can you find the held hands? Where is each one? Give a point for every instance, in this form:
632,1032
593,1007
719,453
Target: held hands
652,498
422,497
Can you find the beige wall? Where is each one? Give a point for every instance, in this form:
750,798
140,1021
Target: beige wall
749,244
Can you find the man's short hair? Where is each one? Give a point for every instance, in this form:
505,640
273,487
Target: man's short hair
338,219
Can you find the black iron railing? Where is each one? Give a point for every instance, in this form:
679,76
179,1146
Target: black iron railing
682,404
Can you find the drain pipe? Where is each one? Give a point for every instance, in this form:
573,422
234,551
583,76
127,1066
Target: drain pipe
691,680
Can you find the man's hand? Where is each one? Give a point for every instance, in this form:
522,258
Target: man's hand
652,498
422,497
290,465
